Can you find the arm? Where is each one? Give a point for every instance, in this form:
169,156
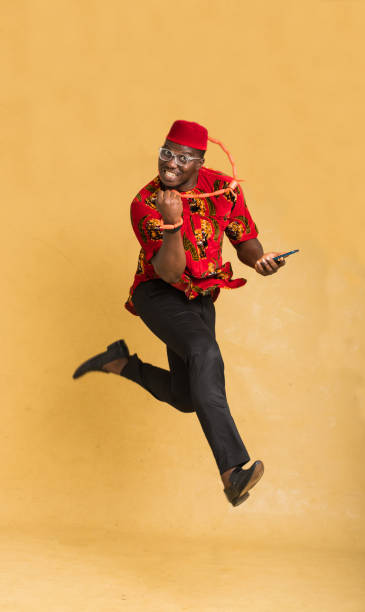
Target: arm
250,251
170,261
242,233
252,254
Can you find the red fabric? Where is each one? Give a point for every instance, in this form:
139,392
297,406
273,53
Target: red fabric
205,222
189,134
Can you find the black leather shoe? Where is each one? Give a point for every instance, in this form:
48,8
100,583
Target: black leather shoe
242,481
114,351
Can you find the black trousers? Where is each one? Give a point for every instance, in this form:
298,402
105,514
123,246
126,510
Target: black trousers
195,381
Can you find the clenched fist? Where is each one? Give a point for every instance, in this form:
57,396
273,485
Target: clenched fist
169,205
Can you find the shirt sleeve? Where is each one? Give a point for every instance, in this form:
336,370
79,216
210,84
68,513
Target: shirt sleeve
241,226
146,226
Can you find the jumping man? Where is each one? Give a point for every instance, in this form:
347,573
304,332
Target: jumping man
178,278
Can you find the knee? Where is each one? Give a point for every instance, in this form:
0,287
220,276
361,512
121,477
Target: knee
205,348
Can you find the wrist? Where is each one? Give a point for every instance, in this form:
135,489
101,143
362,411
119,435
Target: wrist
171,226
174,230
169,221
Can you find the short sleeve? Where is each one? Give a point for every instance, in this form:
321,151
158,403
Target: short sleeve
241,226
146,226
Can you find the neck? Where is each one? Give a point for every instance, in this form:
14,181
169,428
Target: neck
189,185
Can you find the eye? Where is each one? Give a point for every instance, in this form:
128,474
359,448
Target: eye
183,159
167,154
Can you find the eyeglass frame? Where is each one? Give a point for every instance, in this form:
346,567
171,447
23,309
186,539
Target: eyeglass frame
175,156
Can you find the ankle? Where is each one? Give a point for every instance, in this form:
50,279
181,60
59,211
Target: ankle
124,363
225,476
117,366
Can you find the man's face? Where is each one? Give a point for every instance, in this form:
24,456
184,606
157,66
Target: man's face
174,176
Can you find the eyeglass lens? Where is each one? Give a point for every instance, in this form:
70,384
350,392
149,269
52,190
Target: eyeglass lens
167,155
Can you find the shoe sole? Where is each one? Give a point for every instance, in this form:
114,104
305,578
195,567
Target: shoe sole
241,499
255,477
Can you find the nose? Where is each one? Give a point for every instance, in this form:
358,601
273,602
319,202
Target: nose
172,163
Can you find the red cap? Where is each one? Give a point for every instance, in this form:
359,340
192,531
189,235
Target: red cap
189,134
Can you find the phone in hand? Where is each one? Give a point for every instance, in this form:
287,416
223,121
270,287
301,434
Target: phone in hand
285,255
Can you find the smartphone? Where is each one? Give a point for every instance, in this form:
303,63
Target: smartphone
285,254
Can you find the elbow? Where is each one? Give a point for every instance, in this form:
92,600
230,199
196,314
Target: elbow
176,276
169,278
175,280
165,276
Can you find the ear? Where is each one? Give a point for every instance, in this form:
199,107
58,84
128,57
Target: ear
200,162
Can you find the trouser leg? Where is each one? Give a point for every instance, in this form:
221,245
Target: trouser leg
167,386
187,328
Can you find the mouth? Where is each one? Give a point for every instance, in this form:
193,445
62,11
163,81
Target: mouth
169,175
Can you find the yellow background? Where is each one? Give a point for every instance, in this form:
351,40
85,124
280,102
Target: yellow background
89,91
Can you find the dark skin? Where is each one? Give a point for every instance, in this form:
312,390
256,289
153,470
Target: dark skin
170,261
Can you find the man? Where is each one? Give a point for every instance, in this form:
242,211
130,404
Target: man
179,276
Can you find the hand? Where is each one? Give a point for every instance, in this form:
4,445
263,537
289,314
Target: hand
169,205
266,264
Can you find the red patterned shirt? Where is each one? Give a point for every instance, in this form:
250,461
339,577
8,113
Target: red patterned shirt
205,222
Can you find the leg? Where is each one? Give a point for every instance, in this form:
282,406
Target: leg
180,384
182,325
171,386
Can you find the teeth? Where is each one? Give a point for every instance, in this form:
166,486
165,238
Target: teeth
169,173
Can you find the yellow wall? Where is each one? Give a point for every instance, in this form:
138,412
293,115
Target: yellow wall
89,90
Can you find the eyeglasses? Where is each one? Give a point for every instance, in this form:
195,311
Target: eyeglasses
182,159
